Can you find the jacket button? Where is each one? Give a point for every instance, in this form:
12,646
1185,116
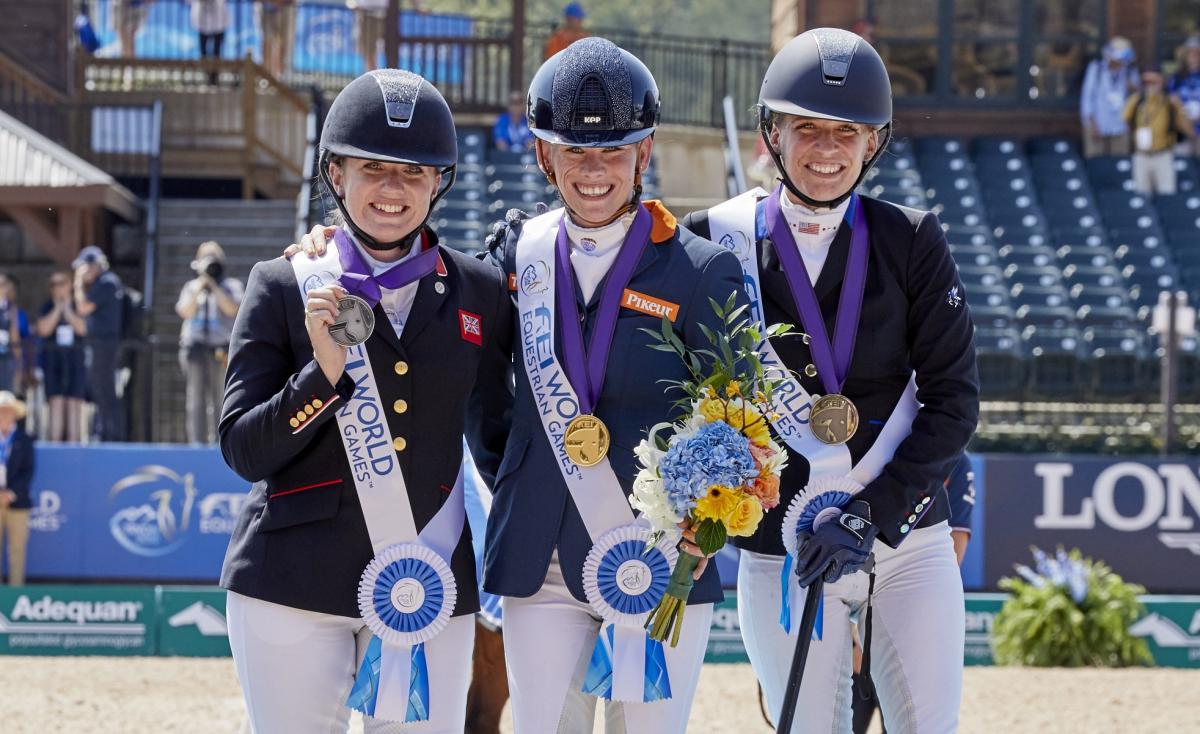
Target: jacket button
399,443
402,368
309,409
316,403
295,423
400,406
301,415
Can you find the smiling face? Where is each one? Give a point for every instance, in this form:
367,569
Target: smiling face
386,200
595,183
823,158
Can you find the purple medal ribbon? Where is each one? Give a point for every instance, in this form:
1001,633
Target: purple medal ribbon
356,275
832,362
585,370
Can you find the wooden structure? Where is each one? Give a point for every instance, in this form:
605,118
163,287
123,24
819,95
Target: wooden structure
54,196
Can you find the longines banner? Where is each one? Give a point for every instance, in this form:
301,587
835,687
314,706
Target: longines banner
1141,516
132,512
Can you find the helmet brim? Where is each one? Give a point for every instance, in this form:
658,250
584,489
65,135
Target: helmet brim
352,151
784,107
594,139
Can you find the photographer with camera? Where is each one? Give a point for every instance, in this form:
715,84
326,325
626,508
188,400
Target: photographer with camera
207,305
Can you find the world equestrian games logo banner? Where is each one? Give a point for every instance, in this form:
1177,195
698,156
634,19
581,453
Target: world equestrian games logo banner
156,513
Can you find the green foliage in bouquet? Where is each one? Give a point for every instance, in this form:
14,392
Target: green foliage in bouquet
1069,612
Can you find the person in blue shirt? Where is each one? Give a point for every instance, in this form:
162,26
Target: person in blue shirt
511,132
1185,84
1107,83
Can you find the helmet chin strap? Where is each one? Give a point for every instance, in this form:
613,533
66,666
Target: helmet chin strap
885,136
367,240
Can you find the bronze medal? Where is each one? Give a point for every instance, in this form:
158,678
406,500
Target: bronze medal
586,440
355,322
833,419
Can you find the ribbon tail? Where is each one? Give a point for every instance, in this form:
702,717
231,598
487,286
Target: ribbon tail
819,625
418,686
598,680
365,692
657,685
785,597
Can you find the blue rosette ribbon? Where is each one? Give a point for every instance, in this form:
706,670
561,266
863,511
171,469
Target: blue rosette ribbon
822,500
406,595
624,580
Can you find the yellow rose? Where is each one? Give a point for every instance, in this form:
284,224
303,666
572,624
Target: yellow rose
717,503
744,518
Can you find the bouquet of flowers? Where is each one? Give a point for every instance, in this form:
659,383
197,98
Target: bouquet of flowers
716,471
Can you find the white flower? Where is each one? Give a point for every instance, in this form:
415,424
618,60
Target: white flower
650,498
778,461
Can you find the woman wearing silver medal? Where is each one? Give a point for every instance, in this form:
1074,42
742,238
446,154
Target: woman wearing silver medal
350,572
884,399
585,281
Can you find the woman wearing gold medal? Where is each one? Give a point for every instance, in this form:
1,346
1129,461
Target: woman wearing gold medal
884,399
350,572
585,280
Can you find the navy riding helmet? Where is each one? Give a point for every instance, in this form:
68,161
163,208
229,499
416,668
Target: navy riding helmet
394,116
593,94
831,74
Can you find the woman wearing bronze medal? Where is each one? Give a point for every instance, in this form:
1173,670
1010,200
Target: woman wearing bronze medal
350,572
564,547
882,400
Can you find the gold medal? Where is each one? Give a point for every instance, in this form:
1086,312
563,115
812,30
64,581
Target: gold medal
586,440
833,419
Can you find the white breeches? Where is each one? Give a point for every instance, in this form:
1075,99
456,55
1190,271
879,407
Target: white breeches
916,640
548,641
297,667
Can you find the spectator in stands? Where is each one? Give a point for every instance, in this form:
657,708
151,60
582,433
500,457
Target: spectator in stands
127,19
65,376
277,25
84,30
569,32
207,305
16,472
1158,123
23,380
512,127
369,24
1185,84
1107,83
99,298
10,335
210,18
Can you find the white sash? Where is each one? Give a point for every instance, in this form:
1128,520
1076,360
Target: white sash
383,494
595,490
733,225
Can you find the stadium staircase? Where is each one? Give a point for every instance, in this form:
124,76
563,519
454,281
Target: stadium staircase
249,231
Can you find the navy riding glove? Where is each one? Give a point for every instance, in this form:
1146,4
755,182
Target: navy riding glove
838,547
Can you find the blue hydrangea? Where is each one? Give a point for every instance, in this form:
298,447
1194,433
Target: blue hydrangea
716,454
1062,571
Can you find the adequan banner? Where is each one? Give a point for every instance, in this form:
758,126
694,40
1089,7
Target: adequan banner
77,620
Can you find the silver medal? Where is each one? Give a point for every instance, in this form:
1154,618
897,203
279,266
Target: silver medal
354,323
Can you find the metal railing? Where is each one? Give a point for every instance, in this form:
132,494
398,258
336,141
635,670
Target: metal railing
471,60
250,115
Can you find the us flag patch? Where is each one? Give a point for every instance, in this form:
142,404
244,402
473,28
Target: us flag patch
470,327
808,228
